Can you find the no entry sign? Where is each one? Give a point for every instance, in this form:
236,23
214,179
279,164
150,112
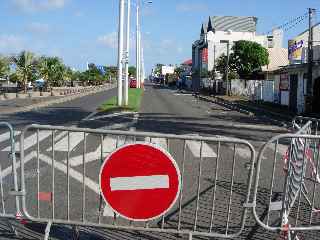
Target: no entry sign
140,182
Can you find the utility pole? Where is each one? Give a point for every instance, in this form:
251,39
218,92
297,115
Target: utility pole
310,62
142,68
126,82
227,69
120,50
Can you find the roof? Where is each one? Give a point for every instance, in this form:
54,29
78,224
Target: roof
188,62
204,28
236,24
278,57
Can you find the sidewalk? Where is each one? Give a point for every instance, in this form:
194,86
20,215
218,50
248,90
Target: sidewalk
276,114
27,104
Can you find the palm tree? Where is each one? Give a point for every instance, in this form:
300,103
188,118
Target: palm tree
52,70
4,66
25,63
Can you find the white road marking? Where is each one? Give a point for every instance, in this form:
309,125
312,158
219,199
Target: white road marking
194,147
78,177
90,118
62,145
109,145
31,140
139,183
27,158
6,136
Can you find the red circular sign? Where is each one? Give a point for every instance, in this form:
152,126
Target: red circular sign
140,182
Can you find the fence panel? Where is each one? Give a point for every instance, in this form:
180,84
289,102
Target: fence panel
288,199
9,203
214,189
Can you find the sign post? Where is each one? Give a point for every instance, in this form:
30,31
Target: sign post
140,182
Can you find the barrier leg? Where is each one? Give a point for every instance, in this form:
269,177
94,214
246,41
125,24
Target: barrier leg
47,231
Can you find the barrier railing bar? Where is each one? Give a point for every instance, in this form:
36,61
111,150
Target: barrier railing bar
38,174
285,186
114,214
215,186
84,176
68,176
198,188
163,216
301,180
101,162
146,225
315,182
138,134
231,188
182,182
53,177
272,178
1,188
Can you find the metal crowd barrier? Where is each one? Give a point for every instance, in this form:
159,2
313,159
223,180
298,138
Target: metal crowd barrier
60,173
8,189
288,200
69,183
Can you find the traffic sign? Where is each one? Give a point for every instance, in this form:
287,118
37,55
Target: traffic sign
140,181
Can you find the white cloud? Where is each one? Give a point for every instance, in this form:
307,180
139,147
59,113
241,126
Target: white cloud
38,5
180,50
11,44
191,7
37,27
110,40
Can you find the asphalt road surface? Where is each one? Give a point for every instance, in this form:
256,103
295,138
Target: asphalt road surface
215,179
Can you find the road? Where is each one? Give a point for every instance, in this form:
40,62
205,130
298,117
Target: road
164,111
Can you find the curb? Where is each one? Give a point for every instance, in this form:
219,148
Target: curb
238,108
227,104
56,101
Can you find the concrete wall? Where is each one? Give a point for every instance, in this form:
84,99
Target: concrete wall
254,89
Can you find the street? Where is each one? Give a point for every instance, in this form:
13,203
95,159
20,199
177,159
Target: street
163,110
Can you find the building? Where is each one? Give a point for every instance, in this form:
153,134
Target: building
291,81
218,33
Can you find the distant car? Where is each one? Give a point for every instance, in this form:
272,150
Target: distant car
133,83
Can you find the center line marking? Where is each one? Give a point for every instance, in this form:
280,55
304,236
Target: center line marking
139,183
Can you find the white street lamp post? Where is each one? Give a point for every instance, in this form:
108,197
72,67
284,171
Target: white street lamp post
138,46
126,82
120,50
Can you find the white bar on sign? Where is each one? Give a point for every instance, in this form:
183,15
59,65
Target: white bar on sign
139,183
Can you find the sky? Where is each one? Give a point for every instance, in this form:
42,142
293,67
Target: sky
81,31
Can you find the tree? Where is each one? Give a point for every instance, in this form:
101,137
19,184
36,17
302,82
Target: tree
132,71
222,64
4,66
158,69
178,71
25,63
112,73
248,58
52,70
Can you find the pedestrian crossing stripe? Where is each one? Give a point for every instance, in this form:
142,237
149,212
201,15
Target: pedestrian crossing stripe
110,143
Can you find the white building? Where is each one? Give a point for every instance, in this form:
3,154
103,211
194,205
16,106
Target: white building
220,30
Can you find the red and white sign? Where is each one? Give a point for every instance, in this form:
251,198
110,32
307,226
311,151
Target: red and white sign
140,182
